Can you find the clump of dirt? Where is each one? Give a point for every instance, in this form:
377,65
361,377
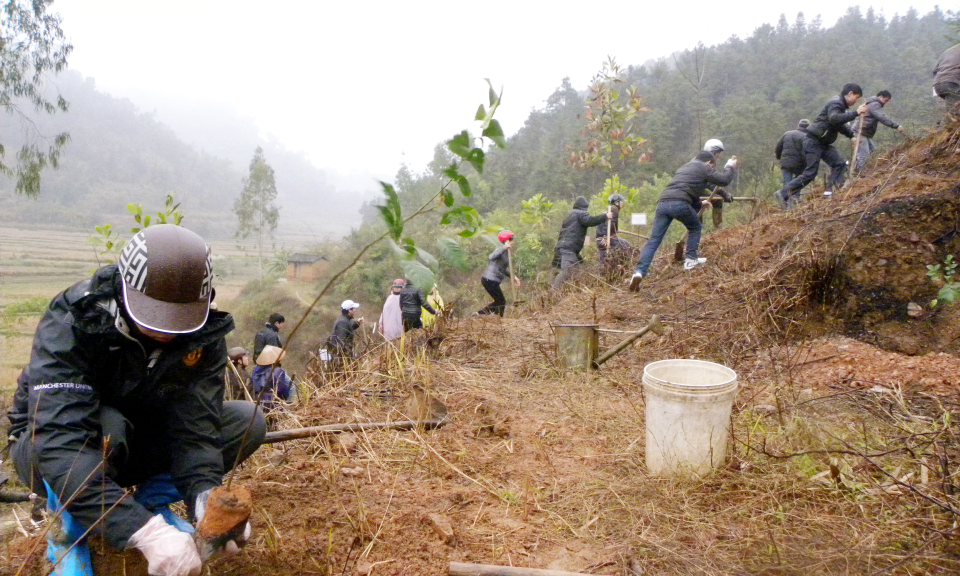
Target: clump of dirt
226,509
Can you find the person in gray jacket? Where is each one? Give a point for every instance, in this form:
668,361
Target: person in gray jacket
680,200
946,76
869,122
573,231
497,270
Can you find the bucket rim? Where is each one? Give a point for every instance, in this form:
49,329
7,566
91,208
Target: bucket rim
720,386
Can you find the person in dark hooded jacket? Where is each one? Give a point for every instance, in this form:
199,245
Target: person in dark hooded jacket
573,232
789,151
818,144
269,335
125,388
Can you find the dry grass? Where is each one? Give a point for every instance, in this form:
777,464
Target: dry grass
544,467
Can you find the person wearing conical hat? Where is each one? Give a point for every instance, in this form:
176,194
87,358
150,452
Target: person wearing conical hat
270,381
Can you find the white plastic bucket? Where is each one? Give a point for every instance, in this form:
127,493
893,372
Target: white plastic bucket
688,404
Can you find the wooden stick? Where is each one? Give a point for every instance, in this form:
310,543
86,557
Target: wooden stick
243,385
654,325
462,569
856,148
737,198
609,223
298,433
513,279
633,234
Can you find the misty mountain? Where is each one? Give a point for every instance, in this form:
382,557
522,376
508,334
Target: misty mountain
118,155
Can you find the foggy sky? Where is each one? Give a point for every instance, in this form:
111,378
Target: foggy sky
365,86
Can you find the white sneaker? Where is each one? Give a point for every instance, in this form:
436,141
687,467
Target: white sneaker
828,193
691,263
635,282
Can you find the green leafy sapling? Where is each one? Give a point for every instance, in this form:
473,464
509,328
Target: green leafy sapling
415,260
943,275
417,264
535,210
107,242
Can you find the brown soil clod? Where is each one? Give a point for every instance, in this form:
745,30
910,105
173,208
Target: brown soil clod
226,509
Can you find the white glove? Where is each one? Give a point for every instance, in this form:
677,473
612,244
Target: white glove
169,552
227,543
731,163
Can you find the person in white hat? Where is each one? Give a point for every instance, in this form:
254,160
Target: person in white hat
340,343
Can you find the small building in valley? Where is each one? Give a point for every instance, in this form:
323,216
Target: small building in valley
305,266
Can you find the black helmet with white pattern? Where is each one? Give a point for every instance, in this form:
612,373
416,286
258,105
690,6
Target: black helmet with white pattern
167,279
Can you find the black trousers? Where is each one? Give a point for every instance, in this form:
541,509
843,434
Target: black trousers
411,322
813,152
499,303
949,91
132,460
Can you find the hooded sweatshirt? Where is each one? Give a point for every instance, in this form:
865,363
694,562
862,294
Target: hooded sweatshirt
574,227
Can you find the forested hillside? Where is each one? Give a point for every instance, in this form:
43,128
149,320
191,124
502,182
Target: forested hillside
752,90
118,154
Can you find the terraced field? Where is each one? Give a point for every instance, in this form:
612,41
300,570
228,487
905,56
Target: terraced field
37,264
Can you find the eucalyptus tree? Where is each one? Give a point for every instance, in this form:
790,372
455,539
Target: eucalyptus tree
32,46
255,209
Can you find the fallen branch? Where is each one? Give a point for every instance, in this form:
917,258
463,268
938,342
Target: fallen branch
462,569
298,433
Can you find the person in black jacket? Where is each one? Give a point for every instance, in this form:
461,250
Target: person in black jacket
573,231
873,118
789,152
125,388
680,200
411,301
340,343
269,334
818,143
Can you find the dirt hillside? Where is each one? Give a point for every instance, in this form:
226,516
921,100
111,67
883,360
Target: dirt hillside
843,450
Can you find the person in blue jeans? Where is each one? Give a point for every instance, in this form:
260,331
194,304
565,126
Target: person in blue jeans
680,200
